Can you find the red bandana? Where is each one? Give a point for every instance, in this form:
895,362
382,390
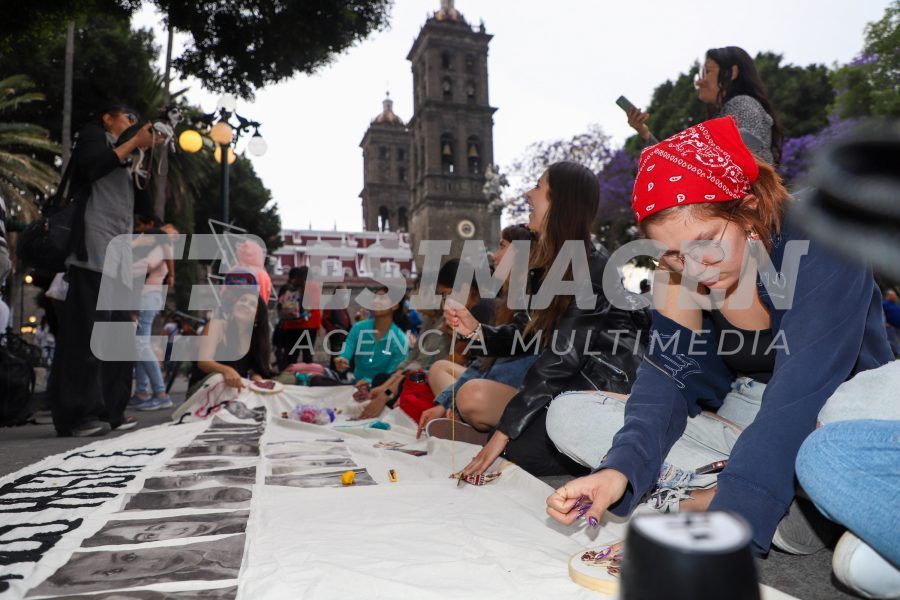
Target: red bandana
704,163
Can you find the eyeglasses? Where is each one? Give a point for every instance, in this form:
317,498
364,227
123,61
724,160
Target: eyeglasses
706,71
702,252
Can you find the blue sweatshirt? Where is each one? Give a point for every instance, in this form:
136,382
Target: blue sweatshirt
833,330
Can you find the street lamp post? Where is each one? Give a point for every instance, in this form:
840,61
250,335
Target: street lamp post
224,183
225,135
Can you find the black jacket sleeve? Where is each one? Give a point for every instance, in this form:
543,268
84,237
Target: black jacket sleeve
563,356
93,157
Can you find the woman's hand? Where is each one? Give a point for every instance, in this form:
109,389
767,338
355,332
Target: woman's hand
638,122
435,412
373,408
144,137
458,317
232,378
491,452
603,488
341,364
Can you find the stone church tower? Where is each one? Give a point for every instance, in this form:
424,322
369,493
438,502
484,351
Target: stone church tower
427,177
386,172
451,132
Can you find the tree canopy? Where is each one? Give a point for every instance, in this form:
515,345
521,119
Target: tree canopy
237,46
869,86
112,63
243,45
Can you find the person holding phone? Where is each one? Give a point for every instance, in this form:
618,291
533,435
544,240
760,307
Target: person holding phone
730,85
87,395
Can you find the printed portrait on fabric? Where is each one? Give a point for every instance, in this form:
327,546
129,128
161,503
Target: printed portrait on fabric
225,593
103,570
317,480
212,497
245,476
153,530
197,465
299,466
218,450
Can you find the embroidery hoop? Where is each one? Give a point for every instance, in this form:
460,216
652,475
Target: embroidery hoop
591,577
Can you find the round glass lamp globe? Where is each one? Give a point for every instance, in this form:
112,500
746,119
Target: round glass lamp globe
227,102
257,145
221,133
190,141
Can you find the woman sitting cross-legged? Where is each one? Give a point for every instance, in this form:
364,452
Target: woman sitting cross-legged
375,347
755,328
583,344
236,343
509,371
444,373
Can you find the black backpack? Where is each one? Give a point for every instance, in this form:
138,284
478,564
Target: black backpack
47,242
17,382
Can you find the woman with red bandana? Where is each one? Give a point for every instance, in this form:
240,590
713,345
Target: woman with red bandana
754,329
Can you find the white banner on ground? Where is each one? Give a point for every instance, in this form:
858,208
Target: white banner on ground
231,500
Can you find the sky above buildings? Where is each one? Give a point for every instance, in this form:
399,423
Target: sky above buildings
554,69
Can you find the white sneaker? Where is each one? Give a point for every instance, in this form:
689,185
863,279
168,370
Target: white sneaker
863,570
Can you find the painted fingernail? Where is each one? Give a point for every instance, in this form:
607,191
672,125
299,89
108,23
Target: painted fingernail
592,521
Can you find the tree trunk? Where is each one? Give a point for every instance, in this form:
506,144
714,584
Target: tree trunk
67,94
159,204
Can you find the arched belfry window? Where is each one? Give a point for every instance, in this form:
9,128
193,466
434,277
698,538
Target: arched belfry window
447,89
448,159
446,61
473,155
470,91
384,223
402,219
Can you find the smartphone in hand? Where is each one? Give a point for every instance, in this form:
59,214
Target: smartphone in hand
625,104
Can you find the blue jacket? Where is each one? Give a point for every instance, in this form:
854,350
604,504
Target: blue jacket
833,330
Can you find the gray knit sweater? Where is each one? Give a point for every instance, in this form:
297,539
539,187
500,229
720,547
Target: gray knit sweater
754,123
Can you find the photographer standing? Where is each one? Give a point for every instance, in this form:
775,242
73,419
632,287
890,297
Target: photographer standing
88,396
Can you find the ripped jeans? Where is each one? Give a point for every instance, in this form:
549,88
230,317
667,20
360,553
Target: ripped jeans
582,425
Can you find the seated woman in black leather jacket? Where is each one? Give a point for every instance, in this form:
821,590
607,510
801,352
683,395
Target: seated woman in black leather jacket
594,346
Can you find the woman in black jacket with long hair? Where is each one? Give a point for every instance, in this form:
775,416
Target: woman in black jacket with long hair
580,347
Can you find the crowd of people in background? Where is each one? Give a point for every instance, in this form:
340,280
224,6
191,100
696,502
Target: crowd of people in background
640,426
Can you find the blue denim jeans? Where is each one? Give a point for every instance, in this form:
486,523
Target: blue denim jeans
509,371
851,471
147,374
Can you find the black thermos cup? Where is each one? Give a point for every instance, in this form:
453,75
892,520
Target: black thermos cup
688,556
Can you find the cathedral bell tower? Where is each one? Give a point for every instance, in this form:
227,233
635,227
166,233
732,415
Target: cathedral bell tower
451,132
386,177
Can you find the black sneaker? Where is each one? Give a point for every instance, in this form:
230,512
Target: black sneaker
91,429
803,530
126,424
